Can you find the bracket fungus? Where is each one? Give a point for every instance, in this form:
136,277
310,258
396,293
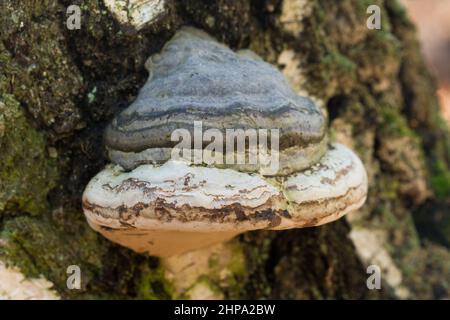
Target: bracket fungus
152,203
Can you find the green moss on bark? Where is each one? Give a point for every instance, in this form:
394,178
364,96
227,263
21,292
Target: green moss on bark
440,180
37,246
27,172
38,64
153,285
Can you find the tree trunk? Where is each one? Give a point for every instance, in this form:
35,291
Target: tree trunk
60,87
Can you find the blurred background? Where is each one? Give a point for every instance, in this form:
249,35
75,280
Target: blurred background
432,18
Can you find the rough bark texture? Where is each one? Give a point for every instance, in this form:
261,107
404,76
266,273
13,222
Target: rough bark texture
59,88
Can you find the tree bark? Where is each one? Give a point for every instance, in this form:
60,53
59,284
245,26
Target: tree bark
59,88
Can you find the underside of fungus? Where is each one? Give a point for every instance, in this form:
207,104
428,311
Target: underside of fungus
154,204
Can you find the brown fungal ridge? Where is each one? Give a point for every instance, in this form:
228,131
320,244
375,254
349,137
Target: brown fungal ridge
353,195
343,172
147,188
166,212
236,213
130,184
107,229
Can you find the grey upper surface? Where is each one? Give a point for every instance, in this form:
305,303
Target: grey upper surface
196,78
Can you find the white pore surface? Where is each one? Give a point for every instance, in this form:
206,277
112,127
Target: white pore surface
177,184
338,171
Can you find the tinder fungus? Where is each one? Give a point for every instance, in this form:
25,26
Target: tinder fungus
157,202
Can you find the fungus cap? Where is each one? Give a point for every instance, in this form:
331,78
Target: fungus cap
197,78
